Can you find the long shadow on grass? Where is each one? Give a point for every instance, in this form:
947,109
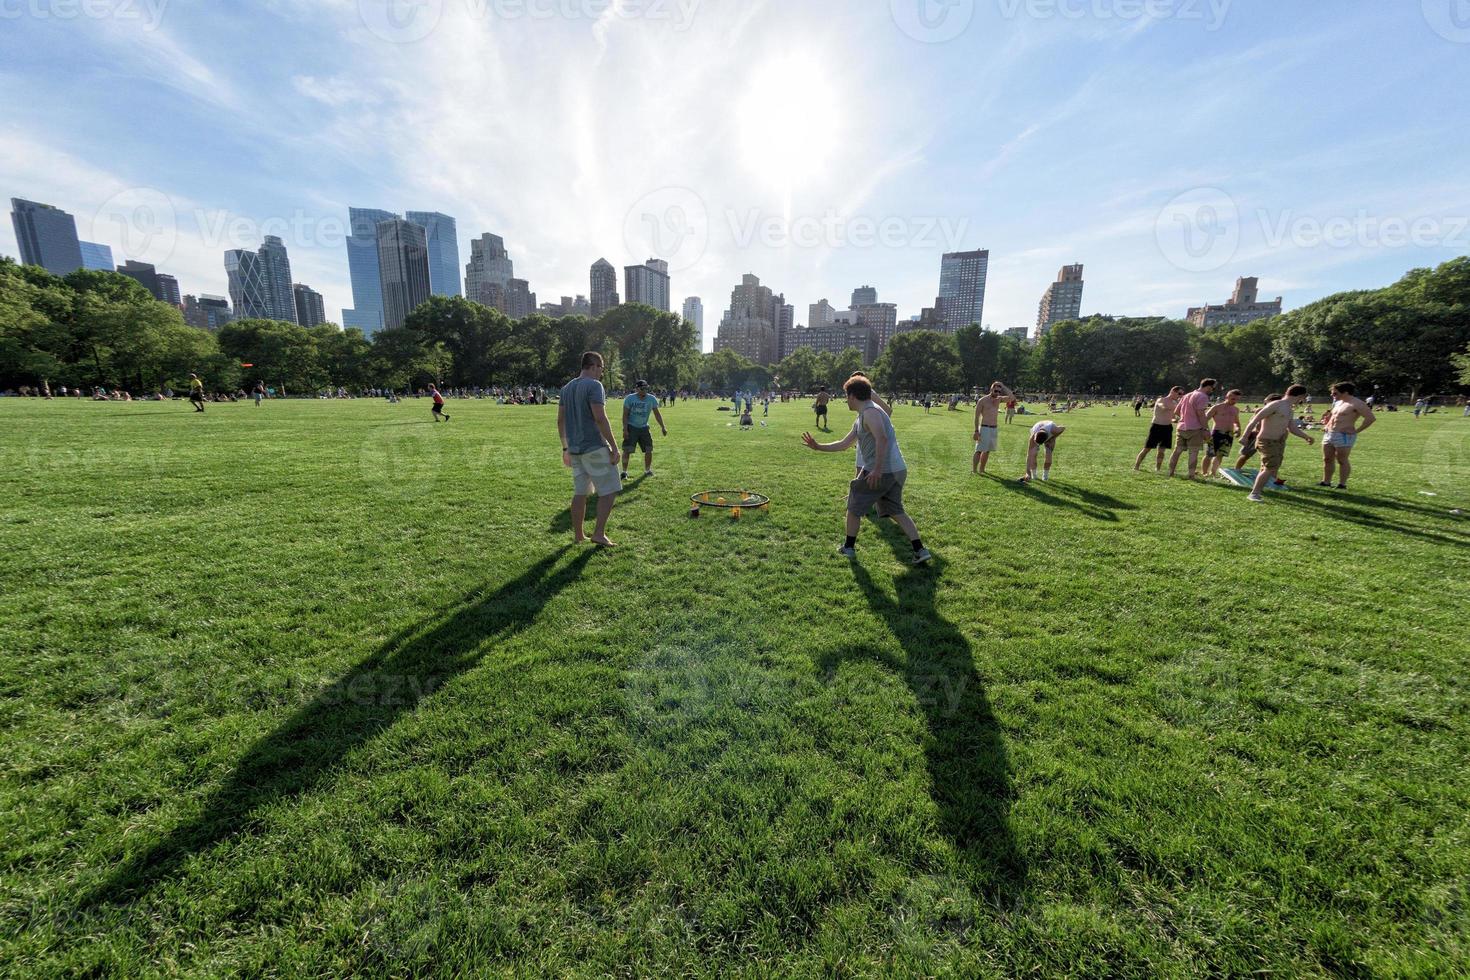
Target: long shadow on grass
562,522
1330,507
969,767
310,745
1098,506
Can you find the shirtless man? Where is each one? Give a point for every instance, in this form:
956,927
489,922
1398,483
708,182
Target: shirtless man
1161,430
820,408
987,425
1343,431
1225,418
1273,423
1193,430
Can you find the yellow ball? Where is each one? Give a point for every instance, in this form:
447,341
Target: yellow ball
735,513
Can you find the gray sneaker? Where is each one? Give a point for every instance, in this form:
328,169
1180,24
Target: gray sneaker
847,552
923,557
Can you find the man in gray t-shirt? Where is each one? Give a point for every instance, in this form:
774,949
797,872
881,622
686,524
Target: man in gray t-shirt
587,447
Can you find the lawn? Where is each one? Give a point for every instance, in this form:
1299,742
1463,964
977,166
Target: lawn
323,688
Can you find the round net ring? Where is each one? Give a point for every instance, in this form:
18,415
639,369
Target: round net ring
732,500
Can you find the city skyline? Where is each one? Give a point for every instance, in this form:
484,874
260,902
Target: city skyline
1009,152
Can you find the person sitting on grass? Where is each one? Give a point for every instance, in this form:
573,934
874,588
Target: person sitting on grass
1044,435
746,422
1272,425
882,478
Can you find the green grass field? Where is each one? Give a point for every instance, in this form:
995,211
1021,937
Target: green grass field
324,689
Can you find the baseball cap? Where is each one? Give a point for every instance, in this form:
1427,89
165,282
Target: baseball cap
640,384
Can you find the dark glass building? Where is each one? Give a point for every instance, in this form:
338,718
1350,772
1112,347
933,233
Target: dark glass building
403,269
47,236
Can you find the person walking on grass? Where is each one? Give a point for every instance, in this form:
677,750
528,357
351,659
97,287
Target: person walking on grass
1011,404
987,425
588,449
1161,429
883,472
1272,424
1193,430
819,406
196,392
438,404
636,432
1225,417
1044,436
1342,431
259,391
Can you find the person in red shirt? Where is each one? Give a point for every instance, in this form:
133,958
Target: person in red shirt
438,404
1225,417
1193,433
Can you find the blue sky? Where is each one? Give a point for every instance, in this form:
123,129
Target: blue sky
1169,145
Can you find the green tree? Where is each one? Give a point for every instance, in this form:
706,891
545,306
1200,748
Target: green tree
919,361
800,370
283,354
979,352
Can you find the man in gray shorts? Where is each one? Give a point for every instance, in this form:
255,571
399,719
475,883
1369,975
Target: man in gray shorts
587,447
882,476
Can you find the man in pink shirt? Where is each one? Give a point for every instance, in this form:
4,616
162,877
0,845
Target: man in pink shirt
1193,430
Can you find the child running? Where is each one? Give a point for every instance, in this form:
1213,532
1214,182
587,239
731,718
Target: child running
438,404
882,477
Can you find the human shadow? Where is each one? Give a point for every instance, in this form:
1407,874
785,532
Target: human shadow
1097,506
319,737
561,521
969,767
1369,519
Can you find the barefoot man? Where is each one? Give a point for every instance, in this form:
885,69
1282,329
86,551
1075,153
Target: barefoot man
588,448
1343,431
1193,430
987,425
1225,417
1044,435
1161,430
1273,423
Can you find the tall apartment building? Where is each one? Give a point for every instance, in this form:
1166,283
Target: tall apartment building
97,257
604,287
962,288
144,274
1244,306
750,325
206,312
488,274
442,237
311,310
260,281
819,314
864,296
648,284
362,268
168,290
403,268
47,236
1062,299
693,312
520,302
881,320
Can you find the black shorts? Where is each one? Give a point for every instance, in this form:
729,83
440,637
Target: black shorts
1159,437
821,411
1220,443
639,438
438,409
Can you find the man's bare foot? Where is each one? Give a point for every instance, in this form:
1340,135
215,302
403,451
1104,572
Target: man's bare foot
578,538
603,542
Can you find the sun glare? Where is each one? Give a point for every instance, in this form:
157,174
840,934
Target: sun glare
790,120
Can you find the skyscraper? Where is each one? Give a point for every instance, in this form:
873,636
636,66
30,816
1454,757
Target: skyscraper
648,284
749,327
819,314
962,288
403,268
443,243
362,268
604,287
260,281
144,274
881,319
310,309
96,257
487,275
47,236
520,302
864,296
168,290
206,312
1062,299
694,313
1244,306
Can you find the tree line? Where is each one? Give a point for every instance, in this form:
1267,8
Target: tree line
101,328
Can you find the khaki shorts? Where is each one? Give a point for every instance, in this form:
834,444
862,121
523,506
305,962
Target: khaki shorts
1193,440
888,496
989,439
1273,452
595,470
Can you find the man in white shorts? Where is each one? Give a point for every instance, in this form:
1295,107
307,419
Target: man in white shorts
987,425
588,448
1342,432
1044,435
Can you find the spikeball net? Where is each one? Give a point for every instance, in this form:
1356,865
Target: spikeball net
736,502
